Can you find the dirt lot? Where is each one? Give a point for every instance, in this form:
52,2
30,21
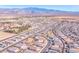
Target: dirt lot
4,35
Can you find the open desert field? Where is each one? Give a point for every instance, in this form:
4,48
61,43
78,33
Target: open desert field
5,35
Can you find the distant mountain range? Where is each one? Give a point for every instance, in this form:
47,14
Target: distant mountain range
35,11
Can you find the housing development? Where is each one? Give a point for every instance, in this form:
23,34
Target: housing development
33,31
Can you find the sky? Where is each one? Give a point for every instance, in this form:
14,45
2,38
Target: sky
56,7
